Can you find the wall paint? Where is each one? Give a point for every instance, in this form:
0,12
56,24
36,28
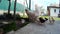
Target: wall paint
52,13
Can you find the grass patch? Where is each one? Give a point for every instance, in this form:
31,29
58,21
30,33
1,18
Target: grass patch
56,18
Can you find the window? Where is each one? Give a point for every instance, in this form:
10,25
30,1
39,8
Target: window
54,10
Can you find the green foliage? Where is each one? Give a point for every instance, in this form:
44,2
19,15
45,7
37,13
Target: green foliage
9,27
56,18
12,26
18,16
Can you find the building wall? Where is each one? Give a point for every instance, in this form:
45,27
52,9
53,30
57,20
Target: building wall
52,13
4,4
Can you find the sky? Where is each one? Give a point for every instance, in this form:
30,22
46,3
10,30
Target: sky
40,3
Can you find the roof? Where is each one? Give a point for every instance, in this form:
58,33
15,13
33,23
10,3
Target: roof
52,7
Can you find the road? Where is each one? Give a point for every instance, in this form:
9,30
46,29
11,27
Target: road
47,28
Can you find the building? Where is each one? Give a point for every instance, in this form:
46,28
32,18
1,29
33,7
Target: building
4,4
53,11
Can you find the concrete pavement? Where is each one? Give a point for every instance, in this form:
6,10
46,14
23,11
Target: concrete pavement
33,28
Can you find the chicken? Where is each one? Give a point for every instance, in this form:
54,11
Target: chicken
32,16
43,20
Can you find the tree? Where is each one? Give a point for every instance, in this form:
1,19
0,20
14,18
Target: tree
29,4
9,6
26,3
0,0
14,8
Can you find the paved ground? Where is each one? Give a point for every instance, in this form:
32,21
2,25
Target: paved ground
33,28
